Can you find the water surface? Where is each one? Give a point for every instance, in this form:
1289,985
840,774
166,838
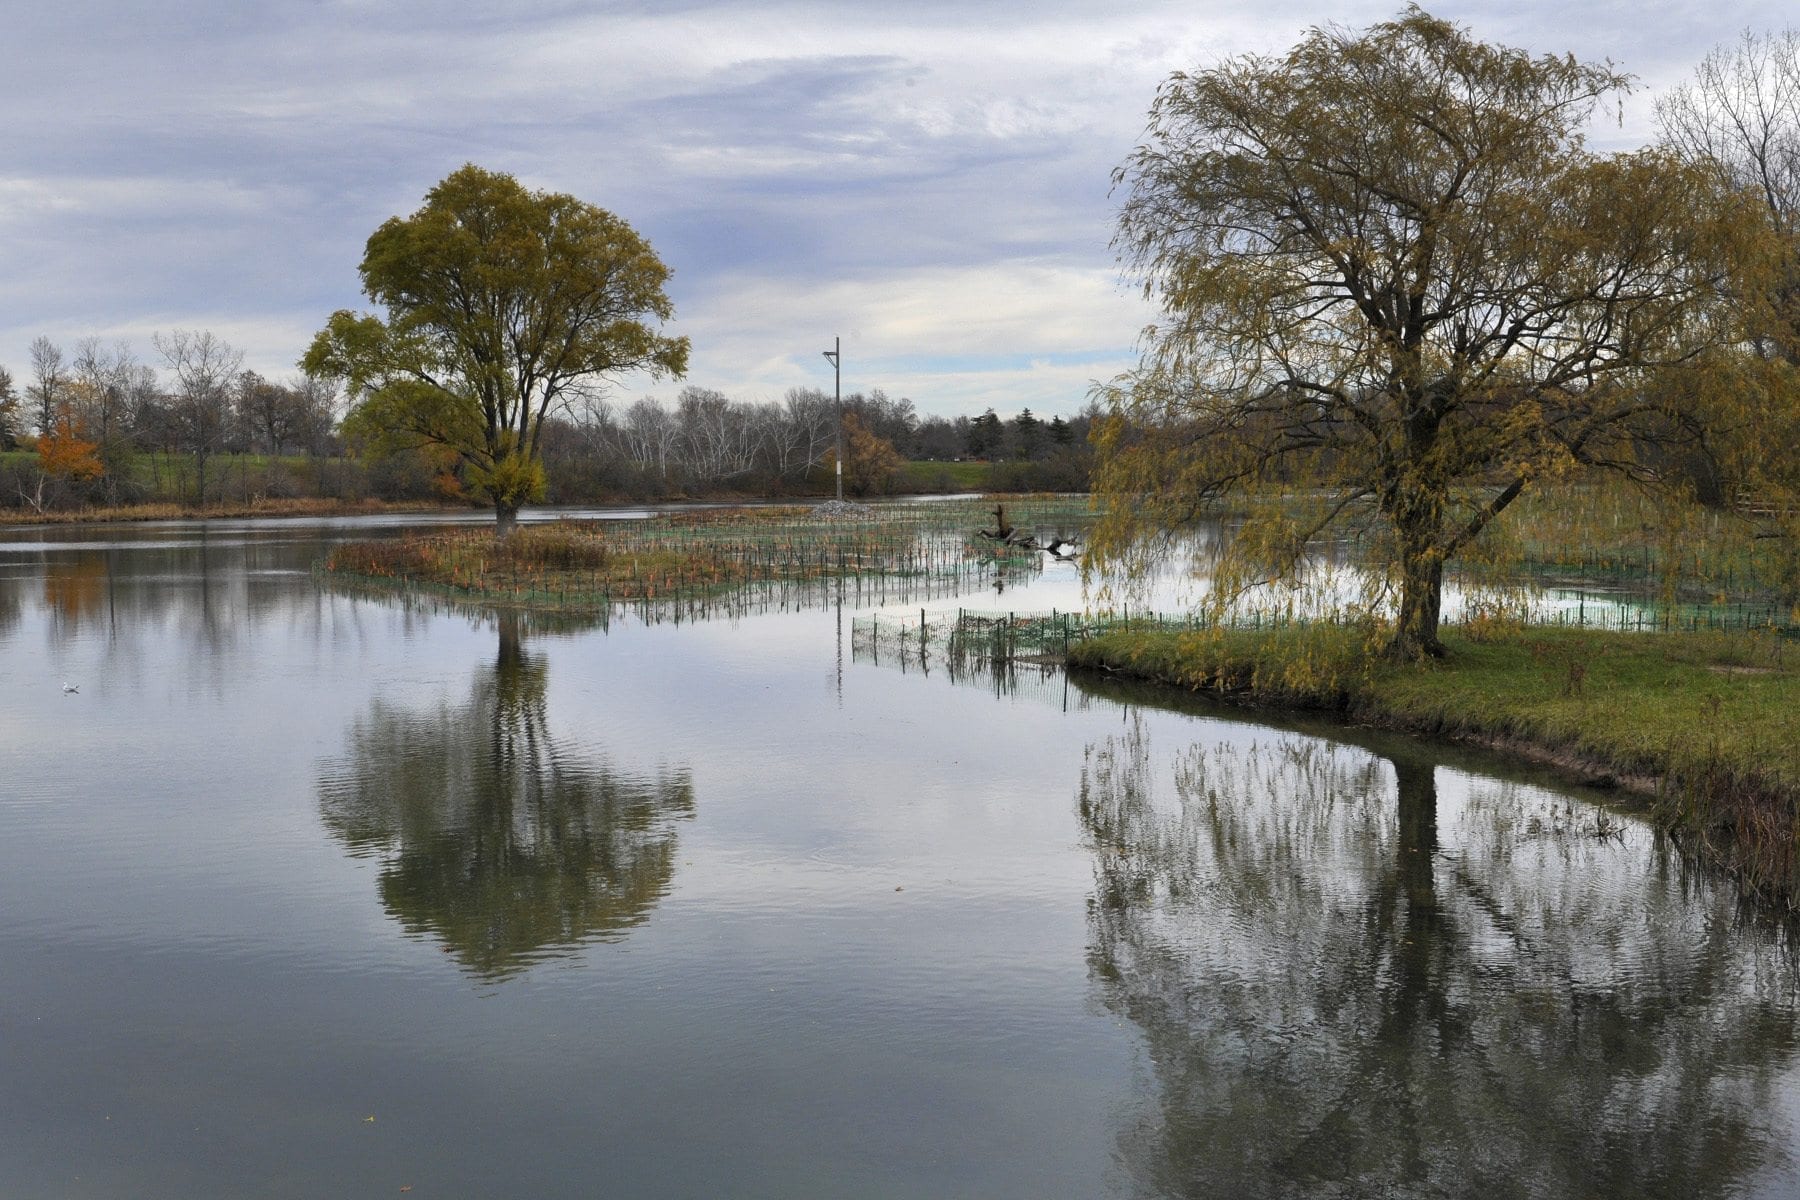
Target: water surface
310,894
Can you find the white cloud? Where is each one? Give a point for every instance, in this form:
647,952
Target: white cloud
271,343
954,339
123,198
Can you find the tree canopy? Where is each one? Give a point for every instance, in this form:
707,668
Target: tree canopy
1391,271
502,306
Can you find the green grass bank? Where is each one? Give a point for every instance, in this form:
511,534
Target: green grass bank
1706,727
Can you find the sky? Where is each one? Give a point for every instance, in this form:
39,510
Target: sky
928,181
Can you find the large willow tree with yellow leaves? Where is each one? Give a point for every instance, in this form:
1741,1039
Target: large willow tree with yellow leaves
503,305
1396,284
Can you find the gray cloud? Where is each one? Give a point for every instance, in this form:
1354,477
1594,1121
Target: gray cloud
935,172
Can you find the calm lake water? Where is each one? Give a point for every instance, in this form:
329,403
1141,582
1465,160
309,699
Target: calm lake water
311,895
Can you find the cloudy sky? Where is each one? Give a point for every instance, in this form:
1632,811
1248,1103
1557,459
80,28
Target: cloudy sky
928,180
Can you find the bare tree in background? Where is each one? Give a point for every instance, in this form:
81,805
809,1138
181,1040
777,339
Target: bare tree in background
318,414
812,418
719,439
270,415
9,410
109,385
204,368
1741,115
785,441
318,403
650,437
49,377
1740,118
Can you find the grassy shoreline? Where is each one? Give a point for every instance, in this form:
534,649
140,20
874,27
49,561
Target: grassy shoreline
1706,727
217,511
331,507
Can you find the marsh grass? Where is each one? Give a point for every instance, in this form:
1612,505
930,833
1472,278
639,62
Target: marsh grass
573,565
538,565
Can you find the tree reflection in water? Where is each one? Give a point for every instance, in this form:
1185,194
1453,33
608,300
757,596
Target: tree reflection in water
1340,998
496,839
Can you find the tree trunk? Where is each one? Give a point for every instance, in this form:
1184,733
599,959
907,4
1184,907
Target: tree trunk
1421,599
1417,1001
1417,510
506,519
1415,783
512,653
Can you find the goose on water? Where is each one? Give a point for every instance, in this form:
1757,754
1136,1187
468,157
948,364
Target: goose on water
70,687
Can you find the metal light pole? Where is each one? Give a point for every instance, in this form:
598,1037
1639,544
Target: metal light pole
835,354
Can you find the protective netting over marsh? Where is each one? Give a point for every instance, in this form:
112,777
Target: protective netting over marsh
967,637
1041,680
1631,612
970,637
712,563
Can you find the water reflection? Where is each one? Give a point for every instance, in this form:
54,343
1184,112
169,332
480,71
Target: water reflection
495,837
11,601
218,596
1352,982
79,592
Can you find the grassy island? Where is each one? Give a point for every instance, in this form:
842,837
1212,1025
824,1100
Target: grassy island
1706,726
586,566
570,564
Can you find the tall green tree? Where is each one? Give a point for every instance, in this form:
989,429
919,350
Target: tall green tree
1391,271
503,305
985,434
1028,435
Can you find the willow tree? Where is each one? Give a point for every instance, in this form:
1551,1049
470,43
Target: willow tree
1392,273
503,306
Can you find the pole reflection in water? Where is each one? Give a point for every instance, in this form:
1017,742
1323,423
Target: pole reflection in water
495,837
1348,985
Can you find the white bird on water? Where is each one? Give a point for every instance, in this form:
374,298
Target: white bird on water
70,687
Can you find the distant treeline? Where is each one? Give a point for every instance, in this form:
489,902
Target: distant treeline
708,443
99,426
108,428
